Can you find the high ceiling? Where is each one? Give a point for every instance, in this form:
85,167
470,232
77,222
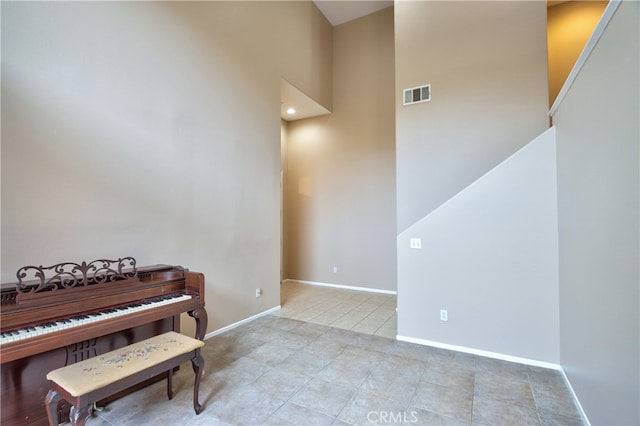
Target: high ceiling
337,12
340,11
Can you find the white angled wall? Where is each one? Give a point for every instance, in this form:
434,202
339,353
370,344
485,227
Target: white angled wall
489,257
599,228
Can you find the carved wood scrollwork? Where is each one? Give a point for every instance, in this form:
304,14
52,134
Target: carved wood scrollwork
68,274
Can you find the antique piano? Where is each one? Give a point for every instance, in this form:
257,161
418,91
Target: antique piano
61,314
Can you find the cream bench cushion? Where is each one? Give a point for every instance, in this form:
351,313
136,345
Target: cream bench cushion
89,375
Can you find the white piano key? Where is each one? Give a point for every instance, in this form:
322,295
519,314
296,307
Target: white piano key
18,335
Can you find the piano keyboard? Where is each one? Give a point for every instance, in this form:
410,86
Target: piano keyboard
79,320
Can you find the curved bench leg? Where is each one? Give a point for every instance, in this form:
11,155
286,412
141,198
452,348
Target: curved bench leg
197,363
51,401
78,416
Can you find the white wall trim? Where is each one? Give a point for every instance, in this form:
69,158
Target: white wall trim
503,357
588,48
344,287
241,322
473,351
480,352
575,398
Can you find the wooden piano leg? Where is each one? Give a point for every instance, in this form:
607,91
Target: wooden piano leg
197,363
201,317
51,402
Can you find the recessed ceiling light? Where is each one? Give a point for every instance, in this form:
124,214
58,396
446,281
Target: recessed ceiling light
291,111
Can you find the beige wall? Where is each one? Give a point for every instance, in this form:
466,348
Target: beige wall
152,130
284,212
486,63
341,168
569,26
599,209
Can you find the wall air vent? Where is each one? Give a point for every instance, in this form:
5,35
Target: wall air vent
416,95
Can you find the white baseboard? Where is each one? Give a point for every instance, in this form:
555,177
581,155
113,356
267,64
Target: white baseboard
503,357
344,287
423,342
495,355
239,323
575,398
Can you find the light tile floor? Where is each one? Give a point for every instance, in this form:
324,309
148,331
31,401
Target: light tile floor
283,371
364,312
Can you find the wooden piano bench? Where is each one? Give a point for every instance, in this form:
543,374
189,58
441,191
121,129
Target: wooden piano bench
86,382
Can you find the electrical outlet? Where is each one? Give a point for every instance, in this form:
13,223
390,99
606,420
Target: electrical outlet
444,316
258,292
415,243
335,269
